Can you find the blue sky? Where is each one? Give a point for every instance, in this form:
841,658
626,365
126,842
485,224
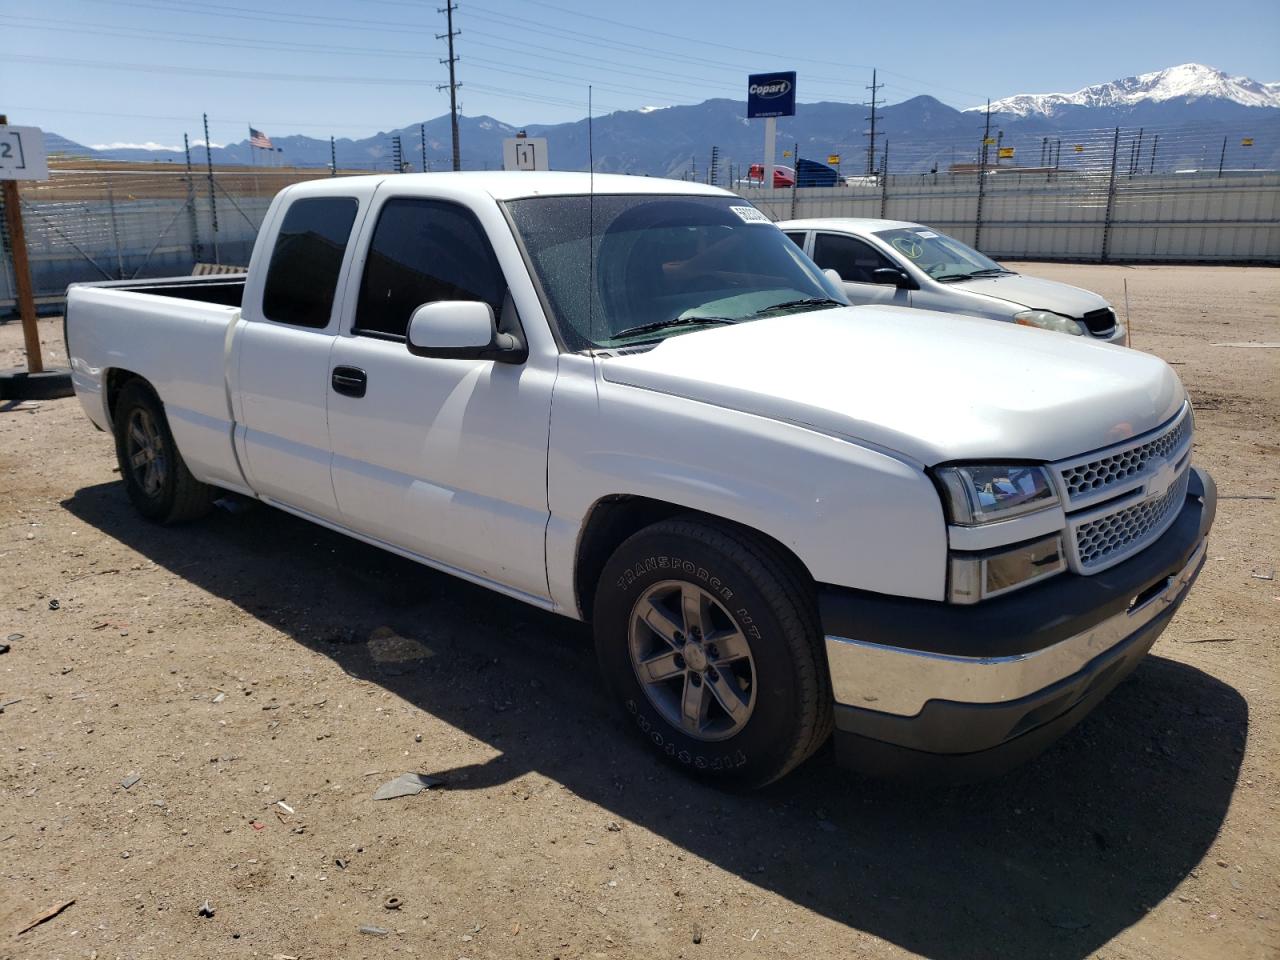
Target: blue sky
142,71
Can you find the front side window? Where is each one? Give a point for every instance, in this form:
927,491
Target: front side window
423,251
855,260
303,273
621,270
941,257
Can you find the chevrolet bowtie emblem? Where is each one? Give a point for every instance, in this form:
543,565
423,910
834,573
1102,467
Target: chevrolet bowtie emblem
1161,479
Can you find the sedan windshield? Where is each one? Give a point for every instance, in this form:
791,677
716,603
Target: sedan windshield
623,270
943,258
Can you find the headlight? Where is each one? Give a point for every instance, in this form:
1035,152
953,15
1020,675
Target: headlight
1047,320
983,494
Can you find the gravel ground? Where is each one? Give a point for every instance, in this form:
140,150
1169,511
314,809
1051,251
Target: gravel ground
262,677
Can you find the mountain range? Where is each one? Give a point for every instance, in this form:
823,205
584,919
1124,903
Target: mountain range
1194,108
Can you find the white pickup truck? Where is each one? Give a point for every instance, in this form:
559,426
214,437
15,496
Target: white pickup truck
636,402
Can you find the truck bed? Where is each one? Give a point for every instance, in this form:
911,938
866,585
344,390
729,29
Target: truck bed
226,290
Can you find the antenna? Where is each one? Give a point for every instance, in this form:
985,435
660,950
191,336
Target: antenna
591,221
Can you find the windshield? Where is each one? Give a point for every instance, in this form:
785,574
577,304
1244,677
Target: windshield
942,257
663,266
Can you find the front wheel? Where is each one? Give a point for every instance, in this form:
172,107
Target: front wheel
708,638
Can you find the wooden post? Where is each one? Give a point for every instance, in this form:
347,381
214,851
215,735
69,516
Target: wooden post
21,271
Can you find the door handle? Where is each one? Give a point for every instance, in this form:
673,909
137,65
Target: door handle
350,381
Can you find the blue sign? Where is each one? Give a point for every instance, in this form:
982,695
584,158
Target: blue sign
771,95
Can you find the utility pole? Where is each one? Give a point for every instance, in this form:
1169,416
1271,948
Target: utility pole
397,154
1154,143
871,135
453,84
713,168
422,137
1223,158
333,158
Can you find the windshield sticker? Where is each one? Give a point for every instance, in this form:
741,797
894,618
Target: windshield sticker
926,234
908,247
750,215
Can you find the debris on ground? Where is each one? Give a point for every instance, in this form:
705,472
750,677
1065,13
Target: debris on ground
375,931
405,785
9,703
220,697
284,806
206,909
46,916
130,780
1263,574
392,903
697,933
4,648
387,646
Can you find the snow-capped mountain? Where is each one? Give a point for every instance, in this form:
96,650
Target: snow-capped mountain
1187,84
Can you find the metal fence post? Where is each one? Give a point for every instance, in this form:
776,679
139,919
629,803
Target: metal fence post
115,232
884,180
213,200
795,180
1111,199
191,204
982,190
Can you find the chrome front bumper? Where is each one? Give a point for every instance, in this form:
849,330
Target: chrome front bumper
899,681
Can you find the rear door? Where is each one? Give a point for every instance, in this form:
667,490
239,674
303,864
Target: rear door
281,366
446,459
855,259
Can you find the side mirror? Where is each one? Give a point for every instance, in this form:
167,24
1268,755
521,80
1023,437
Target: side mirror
461,330
833,275
893,277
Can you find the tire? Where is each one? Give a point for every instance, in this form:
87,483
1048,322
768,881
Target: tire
155,476
761,703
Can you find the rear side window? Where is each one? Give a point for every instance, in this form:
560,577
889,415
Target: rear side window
423,251
797,239
303,273
853,259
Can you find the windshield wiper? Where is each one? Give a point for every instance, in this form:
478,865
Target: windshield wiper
952,277
991,272
657,325
804,302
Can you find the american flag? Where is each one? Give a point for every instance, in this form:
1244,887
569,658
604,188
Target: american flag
259,139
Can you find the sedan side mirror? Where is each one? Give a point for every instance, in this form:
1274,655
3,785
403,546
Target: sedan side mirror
893,277
833,275
461,330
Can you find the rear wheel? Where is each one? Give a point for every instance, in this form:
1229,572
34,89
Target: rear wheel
708,637
155,476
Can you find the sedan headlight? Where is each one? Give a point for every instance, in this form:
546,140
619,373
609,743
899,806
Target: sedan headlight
1047,320
978,494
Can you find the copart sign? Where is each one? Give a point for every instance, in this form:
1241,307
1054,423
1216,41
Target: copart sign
771,95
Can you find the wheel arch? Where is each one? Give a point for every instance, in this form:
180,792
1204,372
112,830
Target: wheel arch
115,379
615,517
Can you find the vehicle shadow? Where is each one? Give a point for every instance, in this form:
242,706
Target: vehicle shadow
1052,860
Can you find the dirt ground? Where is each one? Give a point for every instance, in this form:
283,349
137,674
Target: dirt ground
228,665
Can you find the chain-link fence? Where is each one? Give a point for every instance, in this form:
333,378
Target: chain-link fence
1094,195
94,220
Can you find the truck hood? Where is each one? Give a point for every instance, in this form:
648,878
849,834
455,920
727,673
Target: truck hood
1036,294
929,386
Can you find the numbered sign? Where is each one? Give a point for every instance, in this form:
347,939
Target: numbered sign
525,153
22,154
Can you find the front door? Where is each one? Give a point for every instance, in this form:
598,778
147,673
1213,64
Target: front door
446,459
855,260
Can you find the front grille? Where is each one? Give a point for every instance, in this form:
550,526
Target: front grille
1084,480
1100,322
1126,531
